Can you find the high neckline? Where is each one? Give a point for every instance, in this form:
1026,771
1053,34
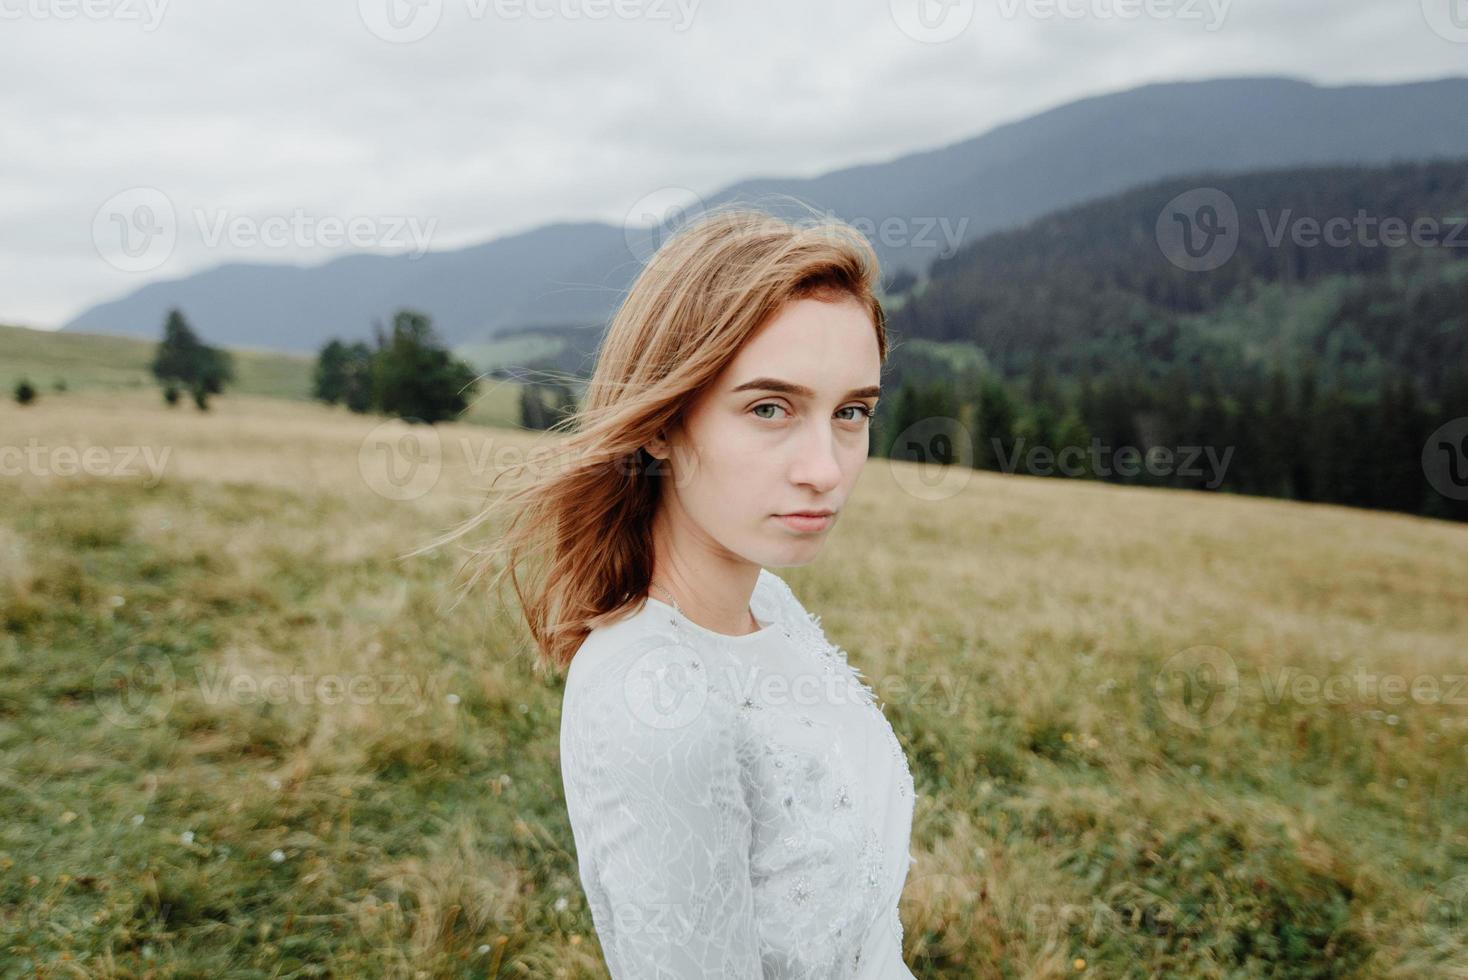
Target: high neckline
767,628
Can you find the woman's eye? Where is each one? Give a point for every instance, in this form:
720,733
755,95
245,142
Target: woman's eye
767,405
862,412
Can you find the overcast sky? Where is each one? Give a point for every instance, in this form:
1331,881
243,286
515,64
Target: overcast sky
240,131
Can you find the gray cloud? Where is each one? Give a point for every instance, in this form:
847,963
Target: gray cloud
491,124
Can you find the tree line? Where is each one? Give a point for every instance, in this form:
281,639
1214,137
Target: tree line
1333,370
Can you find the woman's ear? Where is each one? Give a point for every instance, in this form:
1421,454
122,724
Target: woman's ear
659,447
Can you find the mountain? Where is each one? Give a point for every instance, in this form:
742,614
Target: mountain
1089,290
1316,345
567,274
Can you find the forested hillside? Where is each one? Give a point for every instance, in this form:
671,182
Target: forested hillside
1318,327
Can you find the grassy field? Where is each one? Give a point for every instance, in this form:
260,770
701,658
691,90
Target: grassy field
1154,733
100,363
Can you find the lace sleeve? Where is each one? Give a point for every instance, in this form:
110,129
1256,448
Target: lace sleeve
661,827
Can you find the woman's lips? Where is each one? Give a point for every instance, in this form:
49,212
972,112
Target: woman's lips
806,523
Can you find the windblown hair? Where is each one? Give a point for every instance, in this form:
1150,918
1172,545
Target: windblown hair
577,544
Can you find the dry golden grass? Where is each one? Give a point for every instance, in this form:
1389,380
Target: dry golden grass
1081,808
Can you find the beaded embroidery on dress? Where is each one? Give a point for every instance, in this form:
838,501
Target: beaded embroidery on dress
740,805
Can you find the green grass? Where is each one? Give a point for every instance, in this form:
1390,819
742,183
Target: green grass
90,362
509,351
142,816
183,798
98,362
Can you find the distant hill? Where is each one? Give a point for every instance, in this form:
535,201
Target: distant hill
1311,339
95,362
91,363
1089,288
575,274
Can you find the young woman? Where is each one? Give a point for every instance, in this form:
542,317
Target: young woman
739,803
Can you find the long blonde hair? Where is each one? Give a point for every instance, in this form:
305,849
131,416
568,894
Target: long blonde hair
582,524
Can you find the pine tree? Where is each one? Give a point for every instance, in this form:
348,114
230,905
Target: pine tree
182,360
415,377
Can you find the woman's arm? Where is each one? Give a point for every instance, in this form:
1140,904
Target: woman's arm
661,826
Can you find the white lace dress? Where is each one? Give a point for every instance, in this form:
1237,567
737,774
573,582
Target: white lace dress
740,805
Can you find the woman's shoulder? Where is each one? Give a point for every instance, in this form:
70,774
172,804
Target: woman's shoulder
644,640
610,650
774,599
639,689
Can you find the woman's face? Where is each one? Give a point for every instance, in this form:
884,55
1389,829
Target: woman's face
784,429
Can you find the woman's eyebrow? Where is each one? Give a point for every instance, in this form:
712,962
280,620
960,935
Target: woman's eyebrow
798,390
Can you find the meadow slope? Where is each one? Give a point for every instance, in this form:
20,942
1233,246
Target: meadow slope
1153,732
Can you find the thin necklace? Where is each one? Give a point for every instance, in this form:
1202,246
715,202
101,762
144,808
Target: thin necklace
679,609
